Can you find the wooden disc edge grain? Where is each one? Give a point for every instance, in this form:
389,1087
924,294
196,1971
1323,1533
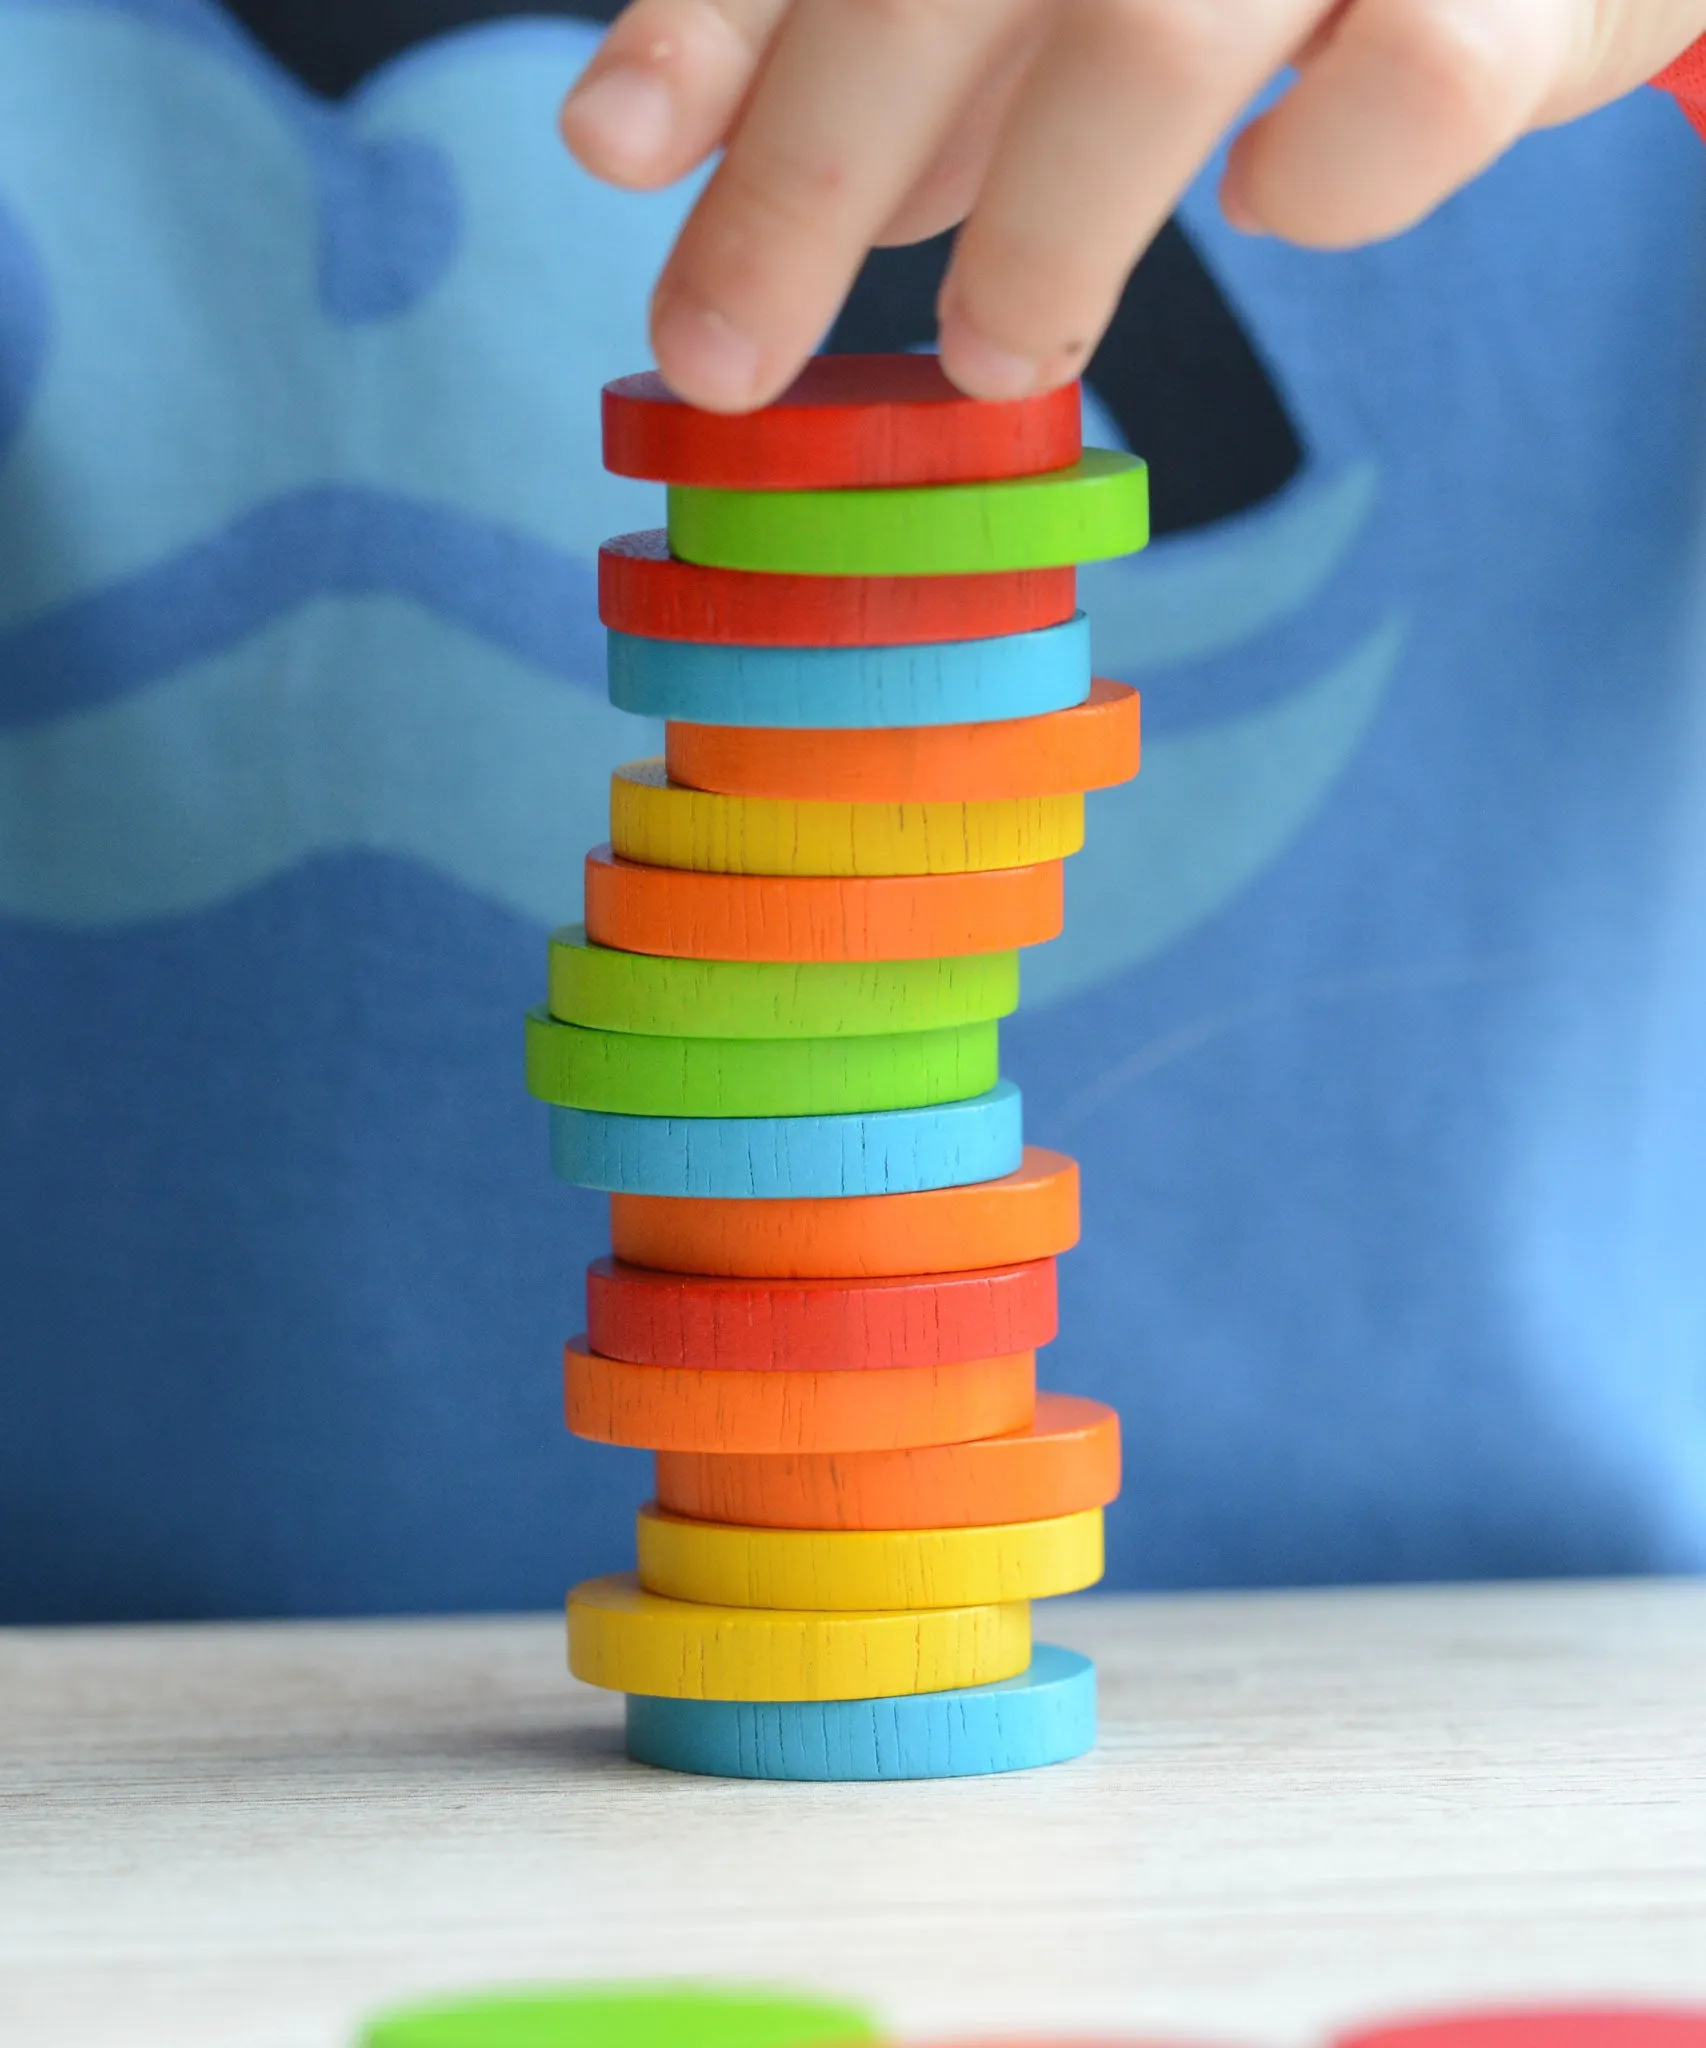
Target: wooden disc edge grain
858,421
658,823
629,1073
1091,512
863,1570
646,591
1067,1460
1031,1213
664,1407
1094,745
628,1640
691,914
661,1318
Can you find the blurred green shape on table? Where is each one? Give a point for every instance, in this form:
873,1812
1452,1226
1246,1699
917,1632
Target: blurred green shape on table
623,2016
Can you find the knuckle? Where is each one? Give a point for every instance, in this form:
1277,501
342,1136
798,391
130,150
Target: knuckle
767,195
905,17
1454,59
1178,45
692,33
771,221
669,36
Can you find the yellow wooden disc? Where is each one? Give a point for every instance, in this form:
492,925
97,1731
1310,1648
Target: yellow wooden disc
633,1641
857,1569
667,825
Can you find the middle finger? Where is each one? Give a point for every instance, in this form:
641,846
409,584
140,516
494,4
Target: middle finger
1120,110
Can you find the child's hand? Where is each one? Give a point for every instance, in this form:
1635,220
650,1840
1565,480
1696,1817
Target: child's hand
1062,131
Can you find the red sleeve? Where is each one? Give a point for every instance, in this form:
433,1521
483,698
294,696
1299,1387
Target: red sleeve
1686,77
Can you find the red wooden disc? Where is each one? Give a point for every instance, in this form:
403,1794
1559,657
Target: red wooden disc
845,420
643,589
661,1318
1606,2026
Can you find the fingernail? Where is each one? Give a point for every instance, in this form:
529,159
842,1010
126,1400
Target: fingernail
709,361
622,119
979,367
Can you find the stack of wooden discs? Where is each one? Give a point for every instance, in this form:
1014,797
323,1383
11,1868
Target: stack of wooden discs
774,1041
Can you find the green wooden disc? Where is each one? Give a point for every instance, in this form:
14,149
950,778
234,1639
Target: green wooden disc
1097,508
634,1075
614,991
615,2016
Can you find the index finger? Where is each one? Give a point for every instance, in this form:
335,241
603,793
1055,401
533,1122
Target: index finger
851,107
663,86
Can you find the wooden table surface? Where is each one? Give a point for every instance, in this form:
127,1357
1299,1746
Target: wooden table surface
1306,1808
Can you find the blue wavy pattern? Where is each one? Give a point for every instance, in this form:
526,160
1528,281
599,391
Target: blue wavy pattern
352,722
509,589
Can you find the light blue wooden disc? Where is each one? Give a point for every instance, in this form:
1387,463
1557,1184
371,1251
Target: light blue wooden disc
877,1152
949,682
1043,1716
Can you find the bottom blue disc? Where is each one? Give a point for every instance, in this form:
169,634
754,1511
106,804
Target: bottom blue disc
871,1152
1043,1716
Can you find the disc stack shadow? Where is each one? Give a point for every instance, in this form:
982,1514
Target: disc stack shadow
774,1042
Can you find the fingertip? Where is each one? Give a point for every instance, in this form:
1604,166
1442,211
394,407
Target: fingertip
619,122
979,366
1403,104
704,357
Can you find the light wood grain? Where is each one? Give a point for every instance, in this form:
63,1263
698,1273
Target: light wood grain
1305,1808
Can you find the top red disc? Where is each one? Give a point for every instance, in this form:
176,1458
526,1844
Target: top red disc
845,420
1591,2026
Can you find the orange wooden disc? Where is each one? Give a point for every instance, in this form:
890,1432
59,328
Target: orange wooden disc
693,915
1091,746
645,590
1066,1461
854,419
1029,1214
676,1408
